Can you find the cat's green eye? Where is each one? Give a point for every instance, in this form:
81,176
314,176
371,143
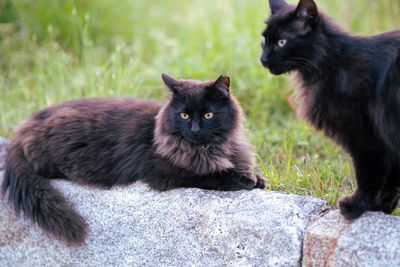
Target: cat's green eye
282,42
208,115
184,116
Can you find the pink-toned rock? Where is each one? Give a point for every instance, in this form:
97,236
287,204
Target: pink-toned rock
371,240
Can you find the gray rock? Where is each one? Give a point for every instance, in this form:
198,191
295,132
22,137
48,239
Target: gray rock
3,145
371,240
136,226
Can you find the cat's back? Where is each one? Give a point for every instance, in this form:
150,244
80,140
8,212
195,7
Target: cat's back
387,43
89,117
97,108
390,36
61,139
108,107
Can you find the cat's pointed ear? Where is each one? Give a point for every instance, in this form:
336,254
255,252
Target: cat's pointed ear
307,9
275,5
170,82
220,88
223,82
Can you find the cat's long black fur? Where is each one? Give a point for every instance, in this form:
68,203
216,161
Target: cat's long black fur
118,141
349,87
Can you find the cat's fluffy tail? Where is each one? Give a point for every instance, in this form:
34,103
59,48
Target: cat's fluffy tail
39,201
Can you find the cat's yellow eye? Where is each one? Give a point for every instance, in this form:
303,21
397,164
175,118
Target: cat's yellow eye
184,116
208,115
282,42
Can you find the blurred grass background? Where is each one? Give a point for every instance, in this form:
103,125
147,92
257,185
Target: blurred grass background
52,51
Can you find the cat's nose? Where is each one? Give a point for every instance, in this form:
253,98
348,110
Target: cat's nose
195,127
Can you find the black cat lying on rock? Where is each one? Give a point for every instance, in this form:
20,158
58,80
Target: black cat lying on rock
196,139
349,89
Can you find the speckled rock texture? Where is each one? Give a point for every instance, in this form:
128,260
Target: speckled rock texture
136,226
371,240
3,145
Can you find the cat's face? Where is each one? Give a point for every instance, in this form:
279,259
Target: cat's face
290,38
200,112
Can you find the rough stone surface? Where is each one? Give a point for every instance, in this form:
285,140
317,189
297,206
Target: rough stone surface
136,226
371,240
3,144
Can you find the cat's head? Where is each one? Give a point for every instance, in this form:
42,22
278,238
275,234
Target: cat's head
291,37
199,112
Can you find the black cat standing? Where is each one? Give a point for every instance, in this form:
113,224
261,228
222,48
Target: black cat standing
196,139
349,89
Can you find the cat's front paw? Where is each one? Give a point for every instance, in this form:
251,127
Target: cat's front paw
247,181
351,207
260,182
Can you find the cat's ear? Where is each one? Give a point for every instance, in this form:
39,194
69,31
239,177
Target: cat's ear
220,88
223,82
170,82
275,5
307,9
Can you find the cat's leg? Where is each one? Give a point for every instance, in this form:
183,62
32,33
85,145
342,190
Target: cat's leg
228,181
388,198
386,201
371,167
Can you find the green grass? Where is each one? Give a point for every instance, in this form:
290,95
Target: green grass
53,51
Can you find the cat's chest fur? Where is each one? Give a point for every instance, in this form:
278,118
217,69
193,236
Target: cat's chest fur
199,159
335,106
202,159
